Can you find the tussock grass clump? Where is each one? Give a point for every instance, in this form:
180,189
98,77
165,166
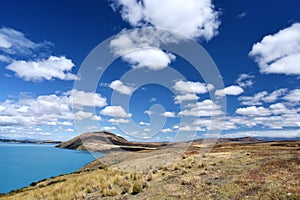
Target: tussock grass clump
126,186
175,166
137,187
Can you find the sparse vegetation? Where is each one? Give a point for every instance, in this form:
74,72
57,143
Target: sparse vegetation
229,171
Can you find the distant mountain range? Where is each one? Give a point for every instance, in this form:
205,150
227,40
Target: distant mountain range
107,141
30,141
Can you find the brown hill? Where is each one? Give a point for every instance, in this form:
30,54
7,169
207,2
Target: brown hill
106,141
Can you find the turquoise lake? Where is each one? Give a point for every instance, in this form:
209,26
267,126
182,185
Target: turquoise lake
22,164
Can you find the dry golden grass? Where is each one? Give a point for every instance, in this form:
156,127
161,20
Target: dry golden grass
229,171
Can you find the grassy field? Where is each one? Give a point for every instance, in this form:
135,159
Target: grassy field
230,171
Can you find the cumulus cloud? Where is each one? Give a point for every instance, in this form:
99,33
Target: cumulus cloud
253,100
109,128
188,128
217,124
245,80
118,121
230,90
44,110
140,48
186,97
148,112
144,123
152,99
50,110
115,111
15,42
253,111
32,61
168,114
166,130
203,108
264,133
151,59
293,96
81,98
47,69
81,115
276,116
191,87
121,87
5,59
274,96
196,19
279,108
261,97
242,15
279,53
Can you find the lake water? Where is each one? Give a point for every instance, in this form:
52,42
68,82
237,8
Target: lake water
22,164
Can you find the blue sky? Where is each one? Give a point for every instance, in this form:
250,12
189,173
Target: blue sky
255,46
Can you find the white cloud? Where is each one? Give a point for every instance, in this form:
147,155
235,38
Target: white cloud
277,116
96,118
168,114
254,100
120,87
147,130
253,111
278,108
190,128
32,61
264,133
274,95
152,59
81,115
69,130
148,112
18,132
245,80
293,96
45,113
191,87
144,123
242,15
109,128
86,99
140,48
53,67
186,97
15,42
115,111
193,18
263,96
4,43
204,108
152,100
279,53
166,130
66,123
118,121
230,90
5,59
43,110
216,124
